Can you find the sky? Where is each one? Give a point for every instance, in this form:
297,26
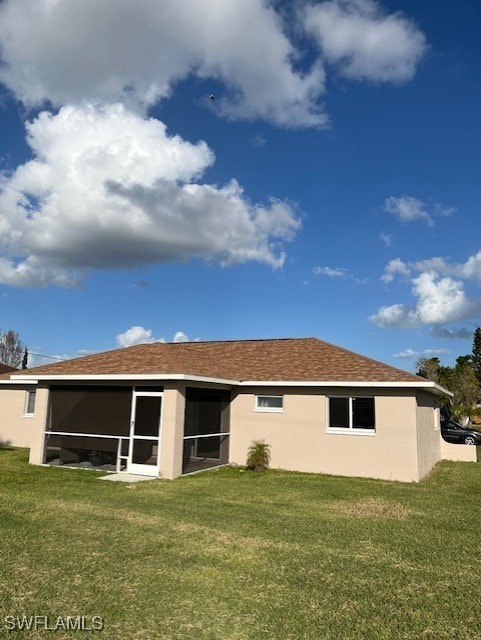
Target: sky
205,170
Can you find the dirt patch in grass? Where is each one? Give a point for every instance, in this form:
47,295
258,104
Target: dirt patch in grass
371,508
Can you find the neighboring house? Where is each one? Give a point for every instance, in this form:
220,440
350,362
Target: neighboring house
4,368
168,409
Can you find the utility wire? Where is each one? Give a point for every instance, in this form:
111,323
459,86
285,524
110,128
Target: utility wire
41,355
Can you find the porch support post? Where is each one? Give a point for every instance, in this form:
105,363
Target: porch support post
172,432
37,444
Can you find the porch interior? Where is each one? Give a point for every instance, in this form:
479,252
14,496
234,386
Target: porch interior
89,427
206,429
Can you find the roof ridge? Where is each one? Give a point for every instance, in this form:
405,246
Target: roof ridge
242,340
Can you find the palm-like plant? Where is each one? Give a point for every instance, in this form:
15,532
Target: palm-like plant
258,456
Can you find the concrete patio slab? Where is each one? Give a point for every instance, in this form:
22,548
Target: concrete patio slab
126,477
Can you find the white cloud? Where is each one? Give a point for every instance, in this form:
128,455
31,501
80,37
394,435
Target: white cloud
136,335
439,290
395,315
365,43
393,268
32,271
180,336
428,353
408,353
439,300
407,209
107,188
118,50
469,270
139,335
337,272
436,264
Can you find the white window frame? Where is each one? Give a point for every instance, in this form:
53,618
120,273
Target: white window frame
349,430
268,409
28,395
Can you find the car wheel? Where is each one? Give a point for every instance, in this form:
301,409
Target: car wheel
469,440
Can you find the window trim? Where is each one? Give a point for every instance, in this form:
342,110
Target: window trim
28,394
268,409
366,431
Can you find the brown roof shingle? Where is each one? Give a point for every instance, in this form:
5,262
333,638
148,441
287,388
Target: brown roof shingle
4,368
289,359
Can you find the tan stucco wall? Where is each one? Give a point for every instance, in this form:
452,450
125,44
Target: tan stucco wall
428,440
17,429
299,440
431,445
457,452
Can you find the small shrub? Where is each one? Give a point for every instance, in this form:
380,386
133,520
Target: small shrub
258,456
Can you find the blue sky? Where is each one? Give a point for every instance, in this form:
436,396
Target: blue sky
331,189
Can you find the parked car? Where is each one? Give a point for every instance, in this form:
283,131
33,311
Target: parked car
454,432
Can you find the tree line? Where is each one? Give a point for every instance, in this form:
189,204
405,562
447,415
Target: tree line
463,380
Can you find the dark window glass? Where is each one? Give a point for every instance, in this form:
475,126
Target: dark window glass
339,412
363,413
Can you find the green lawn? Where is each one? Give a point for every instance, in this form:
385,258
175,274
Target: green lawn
231,554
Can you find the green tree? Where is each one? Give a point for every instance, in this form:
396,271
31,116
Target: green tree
12,349
476,356
465,387
429,368
460,380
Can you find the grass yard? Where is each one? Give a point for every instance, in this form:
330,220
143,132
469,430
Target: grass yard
231,554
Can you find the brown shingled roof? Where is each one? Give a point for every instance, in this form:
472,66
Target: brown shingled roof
4,368
290,359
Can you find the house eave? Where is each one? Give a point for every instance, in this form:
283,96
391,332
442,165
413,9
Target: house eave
122,377
429,386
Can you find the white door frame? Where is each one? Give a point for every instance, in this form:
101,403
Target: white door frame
144,469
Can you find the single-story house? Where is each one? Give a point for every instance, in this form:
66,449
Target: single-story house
165,409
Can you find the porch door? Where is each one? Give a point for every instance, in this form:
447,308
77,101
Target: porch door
144,446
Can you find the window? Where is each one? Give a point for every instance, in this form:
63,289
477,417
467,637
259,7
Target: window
270,403
355,414
30,403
